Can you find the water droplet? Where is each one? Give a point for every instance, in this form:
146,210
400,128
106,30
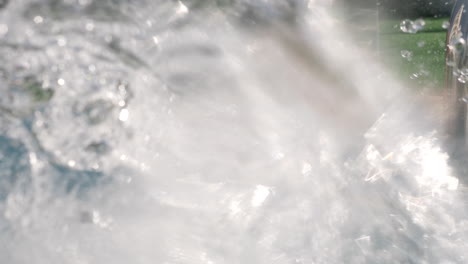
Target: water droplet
420,73
445,25
408,55
462,75
463,79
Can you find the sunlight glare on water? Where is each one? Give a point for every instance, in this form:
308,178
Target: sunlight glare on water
213,132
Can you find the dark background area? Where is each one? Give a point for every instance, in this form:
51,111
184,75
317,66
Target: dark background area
405,8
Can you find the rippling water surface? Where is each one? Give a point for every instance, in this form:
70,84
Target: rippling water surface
212,132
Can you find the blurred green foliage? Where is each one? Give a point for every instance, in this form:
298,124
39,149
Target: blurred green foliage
425,66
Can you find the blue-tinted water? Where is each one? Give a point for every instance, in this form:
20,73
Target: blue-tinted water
212,132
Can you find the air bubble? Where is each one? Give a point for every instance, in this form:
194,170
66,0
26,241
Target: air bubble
419,24
457,45
408,26
97,111
414,76
408,55
62,42
38,19
124,92
89,26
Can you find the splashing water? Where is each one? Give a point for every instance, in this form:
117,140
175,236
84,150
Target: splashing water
212,132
